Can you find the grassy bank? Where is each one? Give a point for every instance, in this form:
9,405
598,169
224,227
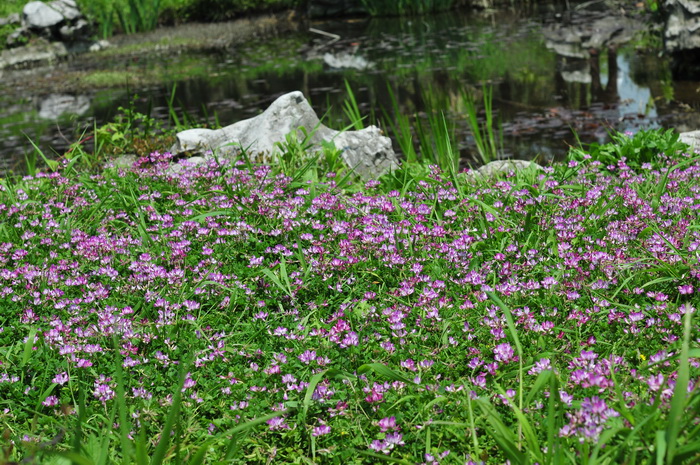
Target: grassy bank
111,17
238,313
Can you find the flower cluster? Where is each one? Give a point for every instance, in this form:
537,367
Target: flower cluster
365,309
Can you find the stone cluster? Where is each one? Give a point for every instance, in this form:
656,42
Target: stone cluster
682,25
58,20
367,151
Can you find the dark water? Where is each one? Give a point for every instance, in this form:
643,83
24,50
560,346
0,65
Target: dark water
540,97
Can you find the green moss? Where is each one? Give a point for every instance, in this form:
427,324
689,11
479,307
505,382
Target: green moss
151,46
108,79
7,7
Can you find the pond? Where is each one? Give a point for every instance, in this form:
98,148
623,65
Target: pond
543,101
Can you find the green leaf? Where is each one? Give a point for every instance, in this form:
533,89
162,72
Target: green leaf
384,372
234,433
680,393
28,347
501,433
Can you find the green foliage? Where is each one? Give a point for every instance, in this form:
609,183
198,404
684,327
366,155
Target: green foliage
5,32
132,132
132,15
489,140
405,7
144,15
352,109
221,10
8,7
139,16
646,146
515,414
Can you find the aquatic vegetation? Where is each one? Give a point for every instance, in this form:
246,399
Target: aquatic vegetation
233,311
405,7
488,138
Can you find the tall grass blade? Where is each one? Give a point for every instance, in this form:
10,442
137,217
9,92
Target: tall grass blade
487,143
352,109
519,348
235,432
124,424
680,392
400,127
384,371
164,443
501,433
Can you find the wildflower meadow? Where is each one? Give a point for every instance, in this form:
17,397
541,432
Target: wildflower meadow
232,312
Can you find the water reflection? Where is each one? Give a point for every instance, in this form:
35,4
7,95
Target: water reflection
540,92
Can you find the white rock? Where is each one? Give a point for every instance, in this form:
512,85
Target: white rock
691,138
367,151
39,15
69,12
682,29
56,105
497,167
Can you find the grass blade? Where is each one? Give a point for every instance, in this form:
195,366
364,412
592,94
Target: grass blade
170,421
680,393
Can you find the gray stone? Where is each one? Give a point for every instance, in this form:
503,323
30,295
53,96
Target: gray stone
72,32
11,19
501,167
691,138
39,15
18,37
69,10
682,30
124,161
577,39
346,60
367,151
56,105
99,45
32,55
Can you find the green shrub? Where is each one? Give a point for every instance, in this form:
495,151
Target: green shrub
405,7
643,147
221,10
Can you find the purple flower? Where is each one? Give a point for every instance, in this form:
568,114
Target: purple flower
541,365
50,401
504,352
321,430
388,423
655,382
685,289
394,439
277,423
189,382
61,378
587,422
308,356
103,389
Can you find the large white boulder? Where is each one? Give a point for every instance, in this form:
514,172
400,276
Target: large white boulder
39,15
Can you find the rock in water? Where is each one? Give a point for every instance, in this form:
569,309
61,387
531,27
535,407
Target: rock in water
367,151
682,25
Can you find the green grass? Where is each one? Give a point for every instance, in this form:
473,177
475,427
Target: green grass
405,7
293,313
